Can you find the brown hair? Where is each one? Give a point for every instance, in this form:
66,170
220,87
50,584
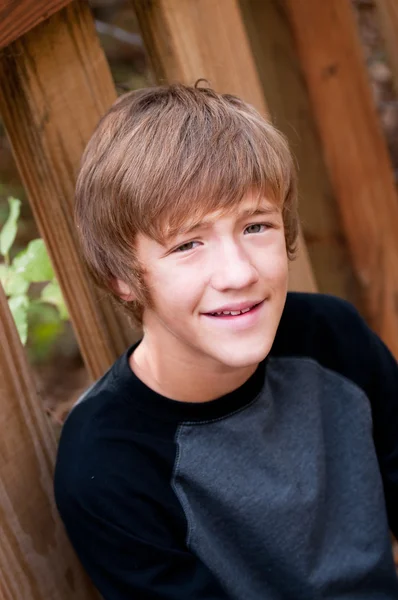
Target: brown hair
164,155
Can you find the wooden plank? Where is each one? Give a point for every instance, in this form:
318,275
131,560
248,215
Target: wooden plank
20,16
189,40
388,16
36,559
281,78
355,151
55,85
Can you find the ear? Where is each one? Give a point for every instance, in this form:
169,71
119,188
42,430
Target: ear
123,290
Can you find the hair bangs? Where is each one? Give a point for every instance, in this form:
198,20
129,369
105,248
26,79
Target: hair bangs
240,159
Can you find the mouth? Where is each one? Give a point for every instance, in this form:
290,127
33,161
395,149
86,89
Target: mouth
234,314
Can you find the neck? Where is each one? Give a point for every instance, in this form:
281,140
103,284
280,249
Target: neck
185,379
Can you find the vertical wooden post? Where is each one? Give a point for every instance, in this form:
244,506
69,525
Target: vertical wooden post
355,151
196,39
36,560
287,98
388,17
55,85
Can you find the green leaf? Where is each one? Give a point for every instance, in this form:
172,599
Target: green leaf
33,263
16,284
19,309
43,337
45,330
13,283
9,231
3,275
53,295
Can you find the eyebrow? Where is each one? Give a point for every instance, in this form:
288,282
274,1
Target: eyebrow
248,212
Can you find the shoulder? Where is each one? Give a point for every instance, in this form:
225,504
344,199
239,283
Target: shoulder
85,453
331,332
308,307
99,420
309,319
109,451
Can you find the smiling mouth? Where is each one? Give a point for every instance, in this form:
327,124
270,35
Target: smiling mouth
233,313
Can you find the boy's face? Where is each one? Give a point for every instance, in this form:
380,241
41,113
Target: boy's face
229,263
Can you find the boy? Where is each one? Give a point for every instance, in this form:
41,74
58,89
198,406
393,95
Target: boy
247,446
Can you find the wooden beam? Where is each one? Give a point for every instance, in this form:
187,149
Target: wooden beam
36,559
287,98
388,16
355,151
55,85
20,16
192,39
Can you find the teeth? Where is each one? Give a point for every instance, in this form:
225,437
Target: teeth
233,313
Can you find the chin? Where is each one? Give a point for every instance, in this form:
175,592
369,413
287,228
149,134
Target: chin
241,357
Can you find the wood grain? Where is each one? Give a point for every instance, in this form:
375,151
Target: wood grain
36,559
388,16
20,16
287,98
355,151
197,39
55,85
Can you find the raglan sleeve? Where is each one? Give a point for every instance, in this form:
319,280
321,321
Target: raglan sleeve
126,543
382,368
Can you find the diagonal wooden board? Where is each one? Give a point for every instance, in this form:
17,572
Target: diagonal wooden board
355,151
36,559
55,84
17,17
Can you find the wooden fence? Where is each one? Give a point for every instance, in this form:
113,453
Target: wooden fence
298,61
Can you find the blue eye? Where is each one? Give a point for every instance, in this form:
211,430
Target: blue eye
185,247
256,228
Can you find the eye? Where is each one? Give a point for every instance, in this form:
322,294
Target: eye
185,247
256,228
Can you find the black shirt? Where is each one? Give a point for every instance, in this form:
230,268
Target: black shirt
283,489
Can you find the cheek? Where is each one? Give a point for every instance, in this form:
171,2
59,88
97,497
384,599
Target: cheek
175,290
274,264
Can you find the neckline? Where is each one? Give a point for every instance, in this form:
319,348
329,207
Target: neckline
136,392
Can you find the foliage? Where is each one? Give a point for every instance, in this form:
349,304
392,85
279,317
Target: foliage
38,318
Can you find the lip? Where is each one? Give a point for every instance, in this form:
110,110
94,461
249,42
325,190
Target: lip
238,323
233,307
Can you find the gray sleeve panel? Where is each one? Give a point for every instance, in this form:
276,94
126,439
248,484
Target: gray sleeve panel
284,499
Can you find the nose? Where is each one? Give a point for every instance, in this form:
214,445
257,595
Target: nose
232,269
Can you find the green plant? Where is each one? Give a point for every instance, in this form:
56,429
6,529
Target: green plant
32,265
